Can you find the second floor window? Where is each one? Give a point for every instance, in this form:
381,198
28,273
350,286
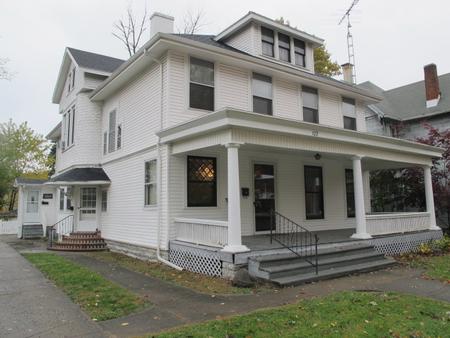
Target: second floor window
112,132
68,128
262,94
267,41
201,87
349,113
299,49
119,136
284,47
105,143
310,105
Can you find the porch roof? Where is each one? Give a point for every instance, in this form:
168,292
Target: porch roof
81,176
235,126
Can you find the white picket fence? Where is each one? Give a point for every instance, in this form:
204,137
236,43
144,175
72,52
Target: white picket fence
9,227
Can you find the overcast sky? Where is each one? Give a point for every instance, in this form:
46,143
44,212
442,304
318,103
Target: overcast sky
393,39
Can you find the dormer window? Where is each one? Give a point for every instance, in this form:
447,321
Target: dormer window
284,47
299,49
267,41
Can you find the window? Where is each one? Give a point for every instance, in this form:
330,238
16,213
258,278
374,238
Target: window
105,143
313,193
349,112
112,131
65,201
68,198
267,41
104,200
262,94
150,183
201,87
69,83
310,105
69,127
284,47
72,136
201,181
350,193
73,78
61,199
119,136
68,138
299,50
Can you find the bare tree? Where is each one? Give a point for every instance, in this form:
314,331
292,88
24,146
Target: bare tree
193,22
4,73
130,30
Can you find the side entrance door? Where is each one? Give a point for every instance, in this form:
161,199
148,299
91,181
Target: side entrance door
264,183
88,209
31,214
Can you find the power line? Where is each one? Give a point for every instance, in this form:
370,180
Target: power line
350,46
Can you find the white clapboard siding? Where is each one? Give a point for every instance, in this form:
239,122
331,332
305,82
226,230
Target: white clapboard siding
330,109
233,88
286,99
244,39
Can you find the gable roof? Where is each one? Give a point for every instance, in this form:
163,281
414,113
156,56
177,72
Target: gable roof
95,61
255,17
408,102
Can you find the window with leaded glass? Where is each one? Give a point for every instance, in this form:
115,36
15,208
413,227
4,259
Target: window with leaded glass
201,87
201,181
262,94
310,104
267,41
150,183
299,51
313,193
350,193
284,47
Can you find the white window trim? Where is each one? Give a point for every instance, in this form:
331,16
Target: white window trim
188,82
155,183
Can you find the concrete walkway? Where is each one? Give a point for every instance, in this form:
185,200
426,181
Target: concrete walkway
30,306
174,305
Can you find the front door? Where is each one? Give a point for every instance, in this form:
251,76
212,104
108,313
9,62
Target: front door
32,207
88,209
264,183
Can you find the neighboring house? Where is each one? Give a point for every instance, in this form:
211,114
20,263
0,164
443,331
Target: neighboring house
198,145
403,110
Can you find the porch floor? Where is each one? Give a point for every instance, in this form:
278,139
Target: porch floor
262,242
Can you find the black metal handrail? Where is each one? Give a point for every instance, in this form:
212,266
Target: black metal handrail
63,226
294,237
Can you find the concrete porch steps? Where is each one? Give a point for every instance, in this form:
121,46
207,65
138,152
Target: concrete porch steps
80,241
30,231
289,269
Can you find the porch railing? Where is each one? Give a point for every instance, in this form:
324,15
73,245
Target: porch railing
202,231
390,223
60,228
294,237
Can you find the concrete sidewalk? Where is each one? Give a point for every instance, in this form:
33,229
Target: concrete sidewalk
31,306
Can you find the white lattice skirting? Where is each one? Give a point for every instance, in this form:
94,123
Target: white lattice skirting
196,259
398,244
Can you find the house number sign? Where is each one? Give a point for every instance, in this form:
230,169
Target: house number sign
315,133
47,196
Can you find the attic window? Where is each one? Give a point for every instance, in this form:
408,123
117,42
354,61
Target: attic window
284,47
267,41
299,49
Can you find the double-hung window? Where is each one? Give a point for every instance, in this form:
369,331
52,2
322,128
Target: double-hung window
201,181
267,40
284,47
350,193
104,200
310,105
119,136
349,113
69,127
61,198
112,132
299,51
150,183
201,87
262,94
313,193
105,143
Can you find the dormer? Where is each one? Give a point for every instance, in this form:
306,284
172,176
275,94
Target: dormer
260,36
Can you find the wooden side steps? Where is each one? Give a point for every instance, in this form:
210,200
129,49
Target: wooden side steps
81,241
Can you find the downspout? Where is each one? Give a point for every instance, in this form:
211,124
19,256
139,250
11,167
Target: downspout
158,146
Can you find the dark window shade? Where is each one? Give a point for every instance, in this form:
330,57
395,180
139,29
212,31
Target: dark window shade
201,97
349,123
310,115
350,193
313,193
262,105
201,181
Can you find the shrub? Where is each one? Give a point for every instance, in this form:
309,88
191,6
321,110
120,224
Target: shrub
443,244
425,249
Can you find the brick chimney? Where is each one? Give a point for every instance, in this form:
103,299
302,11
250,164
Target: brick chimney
432,91
347,71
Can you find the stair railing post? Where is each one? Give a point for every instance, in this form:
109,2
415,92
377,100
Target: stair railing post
271,225
317,260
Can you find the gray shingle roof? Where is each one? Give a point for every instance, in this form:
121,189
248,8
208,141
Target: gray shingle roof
95,61
81,175
408,102
25,180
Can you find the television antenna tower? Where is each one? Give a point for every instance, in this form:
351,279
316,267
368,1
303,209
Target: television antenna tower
350,48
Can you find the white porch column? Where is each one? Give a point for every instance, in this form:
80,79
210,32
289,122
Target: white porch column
429,196
234,201
366,187
360,213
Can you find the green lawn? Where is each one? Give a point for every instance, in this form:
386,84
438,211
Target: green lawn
436,267
195,281
100,298
346,314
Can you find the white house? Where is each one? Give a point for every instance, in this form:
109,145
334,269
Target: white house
199,146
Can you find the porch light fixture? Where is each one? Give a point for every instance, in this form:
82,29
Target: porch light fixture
317,156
